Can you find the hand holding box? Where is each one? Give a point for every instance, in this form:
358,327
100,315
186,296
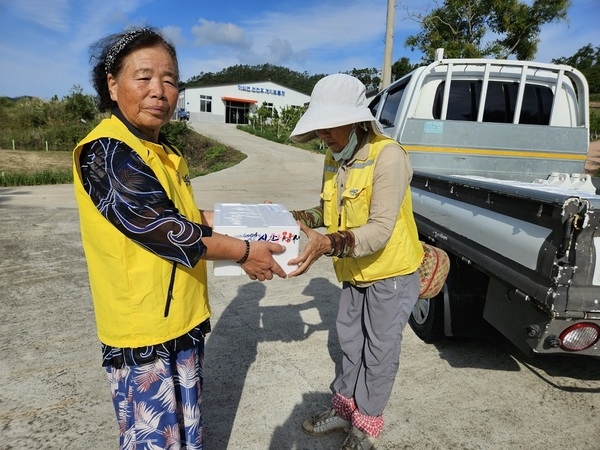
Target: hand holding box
257,222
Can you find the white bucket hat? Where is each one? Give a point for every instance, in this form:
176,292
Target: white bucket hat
336,100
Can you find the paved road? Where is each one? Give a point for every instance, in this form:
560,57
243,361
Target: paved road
272,355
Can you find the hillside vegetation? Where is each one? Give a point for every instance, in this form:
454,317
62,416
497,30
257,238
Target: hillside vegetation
37,138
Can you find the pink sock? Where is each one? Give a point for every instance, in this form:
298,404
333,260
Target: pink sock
344,406
373,426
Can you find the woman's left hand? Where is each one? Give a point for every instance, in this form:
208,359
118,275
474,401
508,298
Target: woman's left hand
317,245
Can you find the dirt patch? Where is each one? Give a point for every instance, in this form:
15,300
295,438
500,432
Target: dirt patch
24,161
592,163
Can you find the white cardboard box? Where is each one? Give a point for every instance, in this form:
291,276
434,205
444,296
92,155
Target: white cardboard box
258,222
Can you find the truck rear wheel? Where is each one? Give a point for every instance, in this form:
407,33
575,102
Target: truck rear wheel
427,318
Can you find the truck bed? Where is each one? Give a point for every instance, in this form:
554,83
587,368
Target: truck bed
552,230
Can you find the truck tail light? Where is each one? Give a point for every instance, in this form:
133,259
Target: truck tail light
580,336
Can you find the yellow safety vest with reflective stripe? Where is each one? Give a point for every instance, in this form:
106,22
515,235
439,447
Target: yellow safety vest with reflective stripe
129,284
402,254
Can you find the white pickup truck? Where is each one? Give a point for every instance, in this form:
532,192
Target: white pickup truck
498,149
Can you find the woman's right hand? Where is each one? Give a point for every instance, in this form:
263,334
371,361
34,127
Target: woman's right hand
260,264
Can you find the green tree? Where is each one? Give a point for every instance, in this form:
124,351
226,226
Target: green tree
401,68
460,26
261,117
369,77
289,117
586,60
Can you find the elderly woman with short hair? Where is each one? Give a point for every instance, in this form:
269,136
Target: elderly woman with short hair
146,243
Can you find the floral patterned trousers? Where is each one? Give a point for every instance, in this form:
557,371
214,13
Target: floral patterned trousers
159,404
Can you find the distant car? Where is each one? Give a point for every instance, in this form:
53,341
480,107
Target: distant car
182,114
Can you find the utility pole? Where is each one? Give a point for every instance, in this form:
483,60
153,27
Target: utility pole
386,71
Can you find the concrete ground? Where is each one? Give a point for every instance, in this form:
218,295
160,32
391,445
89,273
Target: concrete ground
272,354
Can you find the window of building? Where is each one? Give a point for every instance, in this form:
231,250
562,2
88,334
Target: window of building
206,103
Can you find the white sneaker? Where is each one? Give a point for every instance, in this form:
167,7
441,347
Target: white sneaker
326,422
357,440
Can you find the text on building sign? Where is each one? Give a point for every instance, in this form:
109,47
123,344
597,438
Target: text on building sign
260,90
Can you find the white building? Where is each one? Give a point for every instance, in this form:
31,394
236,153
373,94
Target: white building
231,103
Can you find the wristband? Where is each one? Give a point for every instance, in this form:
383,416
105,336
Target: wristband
245,257
332,242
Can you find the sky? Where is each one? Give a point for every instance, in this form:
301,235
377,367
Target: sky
44,44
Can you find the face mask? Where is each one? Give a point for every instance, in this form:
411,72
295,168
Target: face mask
348,150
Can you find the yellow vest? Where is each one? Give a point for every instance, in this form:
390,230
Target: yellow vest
129,284
402,254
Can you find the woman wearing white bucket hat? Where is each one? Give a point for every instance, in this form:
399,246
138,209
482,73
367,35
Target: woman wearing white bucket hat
373,241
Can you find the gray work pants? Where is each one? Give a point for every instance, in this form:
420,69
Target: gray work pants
369,326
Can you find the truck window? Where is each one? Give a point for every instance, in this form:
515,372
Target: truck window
499,105
500,102
374,105
463,101
537,103
390,106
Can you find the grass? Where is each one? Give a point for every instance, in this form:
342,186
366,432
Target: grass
37,178
210,156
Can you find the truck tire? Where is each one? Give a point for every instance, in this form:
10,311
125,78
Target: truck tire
427,317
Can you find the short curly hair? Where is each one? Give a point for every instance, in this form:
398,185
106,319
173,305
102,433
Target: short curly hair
108,53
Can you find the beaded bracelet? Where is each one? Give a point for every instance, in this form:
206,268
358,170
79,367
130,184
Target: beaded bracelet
332,242
245,257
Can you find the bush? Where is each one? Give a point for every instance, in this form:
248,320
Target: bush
203,155
177,133
30,123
